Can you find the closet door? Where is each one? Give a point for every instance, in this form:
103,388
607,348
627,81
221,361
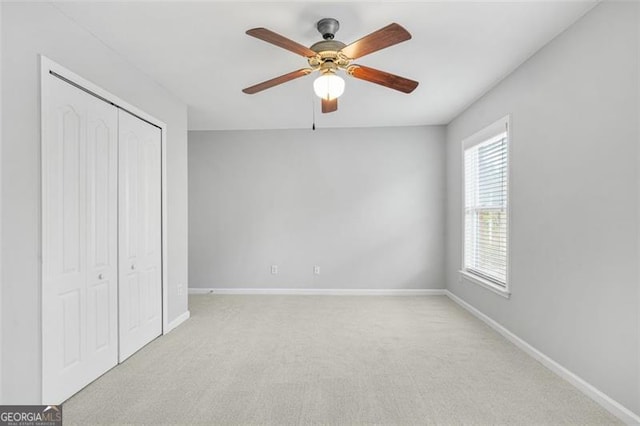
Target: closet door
79,251
140,276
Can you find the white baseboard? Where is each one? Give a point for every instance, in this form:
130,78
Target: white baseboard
176,322
608,403
321,291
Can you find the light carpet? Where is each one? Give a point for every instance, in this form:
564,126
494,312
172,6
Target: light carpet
331,360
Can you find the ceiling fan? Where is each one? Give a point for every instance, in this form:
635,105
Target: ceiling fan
329,55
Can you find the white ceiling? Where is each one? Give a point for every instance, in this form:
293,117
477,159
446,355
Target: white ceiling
200,53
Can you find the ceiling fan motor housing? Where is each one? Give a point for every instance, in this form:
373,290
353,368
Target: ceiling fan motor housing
328,27
328,51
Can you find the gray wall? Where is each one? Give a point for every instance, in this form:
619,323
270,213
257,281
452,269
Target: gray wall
29,29
1,340
574,200
366,205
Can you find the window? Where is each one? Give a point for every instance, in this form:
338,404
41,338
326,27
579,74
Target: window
486,218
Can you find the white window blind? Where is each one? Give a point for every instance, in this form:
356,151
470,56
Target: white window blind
485,214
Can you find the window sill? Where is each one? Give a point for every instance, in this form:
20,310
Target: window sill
501,291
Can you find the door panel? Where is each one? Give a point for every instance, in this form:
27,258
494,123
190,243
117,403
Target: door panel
79,210
133,302
71,328
99,318
70,155
103,197
140,295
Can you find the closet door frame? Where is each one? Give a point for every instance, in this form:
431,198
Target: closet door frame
47,67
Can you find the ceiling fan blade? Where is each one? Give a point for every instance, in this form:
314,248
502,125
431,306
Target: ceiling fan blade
329,105
383,78
275,81
377,40
281,41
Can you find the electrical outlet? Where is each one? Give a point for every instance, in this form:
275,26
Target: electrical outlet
316,270
274,269
180,289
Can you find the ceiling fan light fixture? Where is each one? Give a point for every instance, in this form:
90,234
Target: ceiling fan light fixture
328,86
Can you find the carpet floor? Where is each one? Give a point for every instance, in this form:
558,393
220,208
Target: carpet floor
331,360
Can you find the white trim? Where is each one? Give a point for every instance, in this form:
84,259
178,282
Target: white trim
497,127
165,227
608,403
47,65
176,322
321,291
502,291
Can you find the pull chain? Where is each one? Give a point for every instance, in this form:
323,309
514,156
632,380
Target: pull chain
313,113
313,126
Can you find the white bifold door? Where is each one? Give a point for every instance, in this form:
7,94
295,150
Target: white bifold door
140,296
102,245
80,224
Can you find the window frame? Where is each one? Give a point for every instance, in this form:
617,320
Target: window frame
499,126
